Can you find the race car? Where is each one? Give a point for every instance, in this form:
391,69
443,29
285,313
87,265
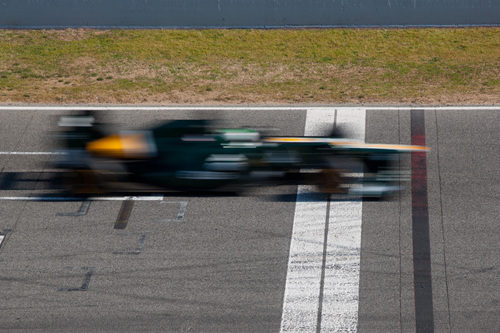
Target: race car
192,156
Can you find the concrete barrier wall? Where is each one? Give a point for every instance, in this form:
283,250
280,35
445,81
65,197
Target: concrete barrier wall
245,13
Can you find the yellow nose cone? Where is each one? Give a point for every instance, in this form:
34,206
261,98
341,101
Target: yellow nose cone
120,146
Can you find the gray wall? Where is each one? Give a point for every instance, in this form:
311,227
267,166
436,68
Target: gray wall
245,13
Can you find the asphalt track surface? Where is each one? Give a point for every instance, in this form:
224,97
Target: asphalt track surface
189,263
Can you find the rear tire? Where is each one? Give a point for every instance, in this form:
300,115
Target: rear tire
83,182
329,181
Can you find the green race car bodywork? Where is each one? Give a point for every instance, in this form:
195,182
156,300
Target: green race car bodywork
185,155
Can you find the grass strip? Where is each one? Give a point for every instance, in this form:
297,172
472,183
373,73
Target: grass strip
433,66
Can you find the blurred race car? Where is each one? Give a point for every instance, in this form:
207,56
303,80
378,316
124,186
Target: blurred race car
188,155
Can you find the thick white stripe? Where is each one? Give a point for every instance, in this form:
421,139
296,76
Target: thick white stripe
2,237
300,303
341,285
341,276
354,121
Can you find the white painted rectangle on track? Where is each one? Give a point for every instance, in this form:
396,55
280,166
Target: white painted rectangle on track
322,284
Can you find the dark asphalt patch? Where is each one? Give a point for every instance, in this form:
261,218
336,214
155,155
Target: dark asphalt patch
124,214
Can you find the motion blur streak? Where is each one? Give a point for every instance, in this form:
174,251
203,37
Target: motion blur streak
194,155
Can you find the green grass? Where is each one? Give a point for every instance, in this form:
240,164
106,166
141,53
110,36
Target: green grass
244,66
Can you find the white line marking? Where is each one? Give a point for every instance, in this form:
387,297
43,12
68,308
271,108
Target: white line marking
48,198
341,286
145,108
31,153
250,108
302,289
2,237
